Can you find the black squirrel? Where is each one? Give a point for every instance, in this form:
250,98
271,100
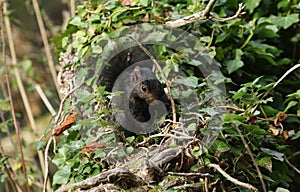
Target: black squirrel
144,100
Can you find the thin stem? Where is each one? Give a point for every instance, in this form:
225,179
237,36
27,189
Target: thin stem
252,158
20,86
72,8
46,43
14,61
233,180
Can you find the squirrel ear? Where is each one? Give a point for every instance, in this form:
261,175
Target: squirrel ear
136,73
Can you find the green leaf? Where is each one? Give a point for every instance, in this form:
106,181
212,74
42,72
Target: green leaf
235,64
129,149
286,21
4,105
283,4
155,36
269,111
130,139
239,94
290,104
195,167
255,129
280,189
191,81
232,117
267,30
192,127
252,4
221,146
143,2
40,144
296,136
222,37
84,96
265,162
62,176
100,154
197,151
76,21
273,153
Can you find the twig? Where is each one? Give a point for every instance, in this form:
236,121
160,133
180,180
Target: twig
162,73
252,158
21,88
291,165
281,78
277,82
192,18
45,99
46,43
204,15
7,170
46,163
294,154
63,101
190,174
233,180
72,8
185,187
209,6
238,13
119,176
19,81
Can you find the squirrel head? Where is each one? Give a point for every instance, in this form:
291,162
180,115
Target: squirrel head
146,85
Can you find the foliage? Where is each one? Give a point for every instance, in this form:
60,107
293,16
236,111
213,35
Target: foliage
253,52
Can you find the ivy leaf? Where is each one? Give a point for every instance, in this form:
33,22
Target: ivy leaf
291,104
130,139
274,154
100,154
143,2
280,189
222,36
40,144
286,21
191,81
157,36
221,146
76,21
265,162
232,117
255,129
62,176
235,64
252,4
296,136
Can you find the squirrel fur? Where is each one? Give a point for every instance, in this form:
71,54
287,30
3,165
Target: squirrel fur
143,99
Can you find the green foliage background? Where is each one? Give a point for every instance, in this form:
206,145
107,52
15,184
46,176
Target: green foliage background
254,51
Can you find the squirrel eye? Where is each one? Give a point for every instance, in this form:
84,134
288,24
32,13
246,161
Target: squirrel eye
144,88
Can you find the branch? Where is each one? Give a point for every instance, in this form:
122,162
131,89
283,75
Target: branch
252,158
277,82
192,18
238,13
204,15
233,180
291,165
190,174
46,43
118,176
